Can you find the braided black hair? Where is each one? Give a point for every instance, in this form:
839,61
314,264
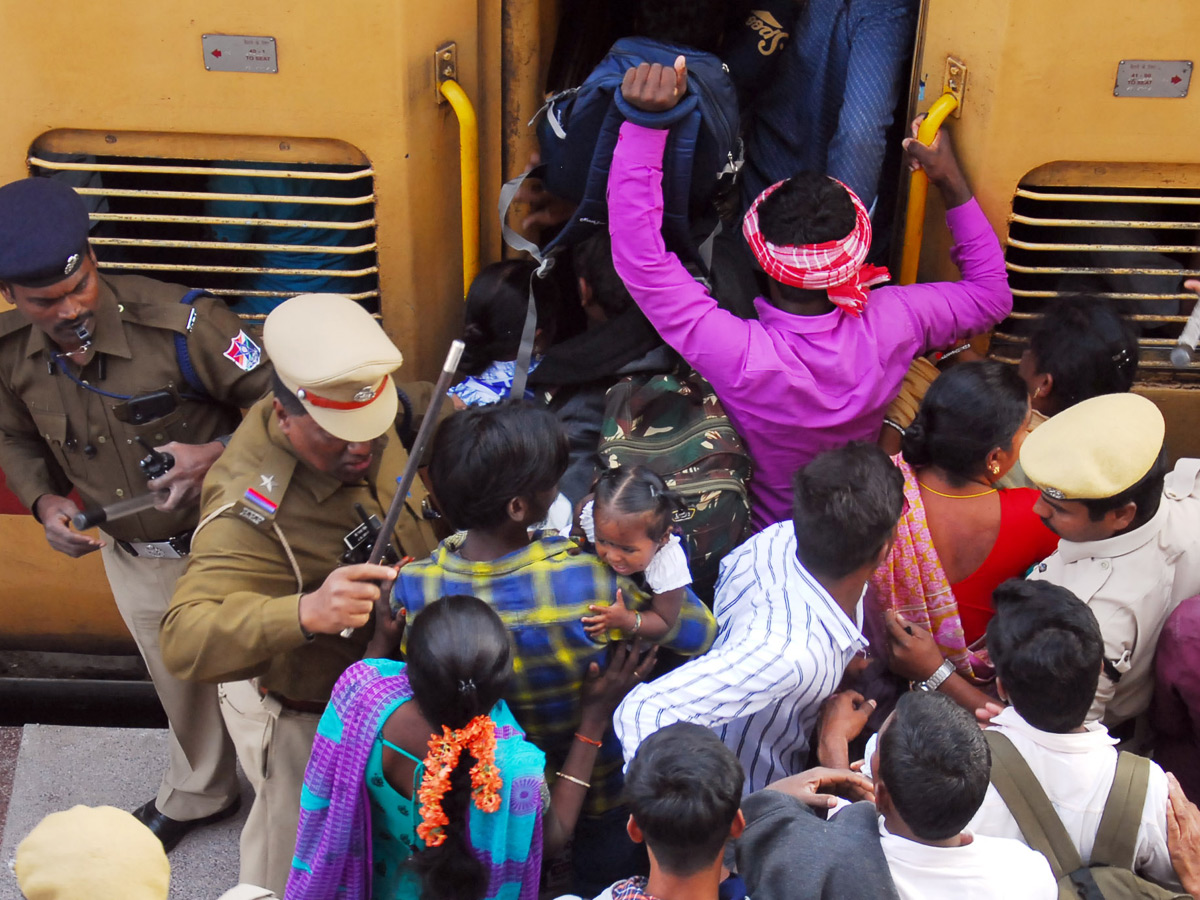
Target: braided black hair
638,490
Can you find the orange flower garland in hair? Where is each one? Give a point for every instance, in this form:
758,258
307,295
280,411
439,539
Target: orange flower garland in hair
479,738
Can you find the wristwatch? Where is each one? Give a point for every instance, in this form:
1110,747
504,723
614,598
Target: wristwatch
934,681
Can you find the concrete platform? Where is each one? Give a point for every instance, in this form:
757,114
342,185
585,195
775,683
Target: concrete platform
59,767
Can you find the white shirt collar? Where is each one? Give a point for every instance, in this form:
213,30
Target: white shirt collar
1094,736
1120,545
845,631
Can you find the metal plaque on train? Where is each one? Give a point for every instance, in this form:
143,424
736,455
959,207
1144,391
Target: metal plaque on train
240,53
1153,78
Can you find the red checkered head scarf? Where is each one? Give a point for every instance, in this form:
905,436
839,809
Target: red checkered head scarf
833,266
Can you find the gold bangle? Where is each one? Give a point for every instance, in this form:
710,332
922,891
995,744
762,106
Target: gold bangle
573,779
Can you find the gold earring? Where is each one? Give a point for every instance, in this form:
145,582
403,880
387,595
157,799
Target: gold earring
994,468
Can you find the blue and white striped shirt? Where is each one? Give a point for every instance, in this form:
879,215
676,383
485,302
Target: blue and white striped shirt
782,647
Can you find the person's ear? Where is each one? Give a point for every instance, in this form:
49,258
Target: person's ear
1001,692
634,832
737,826
517,508
1045,384
281,415
994,463
1122,517
885,551
6,290
883,799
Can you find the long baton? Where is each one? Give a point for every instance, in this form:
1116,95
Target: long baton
424,435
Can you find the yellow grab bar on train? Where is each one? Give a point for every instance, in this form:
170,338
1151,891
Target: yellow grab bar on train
468,153
918,189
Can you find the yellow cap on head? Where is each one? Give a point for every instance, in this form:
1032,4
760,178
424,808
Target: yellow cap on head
1094,449
334,356
98,853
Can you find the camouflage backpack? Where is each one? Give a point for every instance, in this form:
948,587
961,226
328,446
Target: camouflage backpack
675,425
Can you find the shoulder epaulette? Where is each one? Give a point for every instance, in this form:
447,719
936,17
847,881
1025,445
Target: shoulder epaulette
256,497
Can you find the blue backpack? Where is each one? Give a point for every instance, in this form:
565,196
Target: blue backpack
577,133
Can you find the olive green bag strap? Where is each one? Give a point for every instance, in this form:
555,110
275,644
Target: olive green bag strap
1036,817
1116,838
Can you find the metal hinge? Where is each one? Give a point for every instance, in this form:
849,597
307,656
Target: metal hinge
954,81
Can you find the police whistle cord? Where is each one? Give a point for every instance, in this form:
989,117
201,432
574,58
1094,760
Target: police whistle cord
154,465
424,436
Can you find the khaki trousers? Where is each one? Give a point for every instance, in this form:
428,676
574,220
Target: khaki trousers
273,745
201,776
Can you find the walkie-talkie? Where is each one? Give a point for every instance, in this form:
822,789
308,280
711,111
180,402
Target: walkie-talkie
358,543
155,463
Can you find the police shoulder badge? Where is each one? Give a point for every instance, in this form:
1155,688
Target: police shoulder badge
243,352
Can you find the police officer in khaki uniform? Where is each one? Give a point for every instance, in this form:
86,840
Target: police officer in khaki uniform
1130,532
266,594
89,363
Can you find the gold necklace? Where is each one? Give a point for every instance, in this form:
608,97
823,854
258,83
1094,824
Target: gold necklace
958,496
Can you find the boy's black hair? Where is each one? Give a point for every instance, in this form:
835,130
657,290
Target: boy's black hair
967,413
483,457
845,504
808,208
636,490
592,260
936,765
693,23
1087,348
1047,649
1146,494
684,789
497,303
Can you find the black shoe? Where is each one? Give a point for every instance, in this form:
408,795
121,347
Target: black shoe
171,831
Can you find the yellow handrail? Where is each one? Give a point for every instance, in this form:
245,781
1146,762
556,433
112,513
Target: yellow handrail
468,152
918,189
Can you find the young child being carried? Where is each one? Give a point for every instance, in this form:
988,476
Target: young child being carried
497,302
628,522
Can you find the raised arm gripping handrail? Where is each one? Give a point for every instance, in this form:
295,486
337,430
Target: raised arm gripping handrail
918,189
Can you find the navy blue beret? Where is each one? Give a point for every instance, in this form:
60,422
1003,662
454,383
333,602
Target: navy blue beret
43,232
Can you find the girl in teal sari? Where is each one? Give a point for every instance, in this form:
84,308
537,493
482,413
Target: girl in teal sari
421,783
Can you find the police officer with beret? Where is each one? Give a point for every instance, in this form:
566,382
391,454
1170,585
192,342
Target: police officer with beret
1129,529
278,561
90,364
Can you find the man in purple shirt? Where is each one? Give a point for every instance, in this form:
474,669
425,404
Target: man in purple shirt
811,373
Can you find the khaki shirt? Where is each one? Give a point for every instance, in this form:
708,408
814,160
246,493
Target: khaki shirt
1132,582
47,421
235,613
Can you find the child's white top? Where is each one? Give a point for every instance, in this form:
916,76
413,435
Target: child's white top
668,569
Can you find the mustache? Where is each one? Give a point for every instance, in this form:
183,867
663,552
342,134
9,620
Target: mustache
73,325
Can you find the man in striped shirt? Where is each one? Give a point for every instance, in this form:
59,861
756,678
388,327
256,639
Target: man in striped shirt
788,609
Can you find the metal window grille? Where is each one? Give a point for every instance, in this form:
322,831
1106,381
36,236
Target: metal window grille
252,232
1134,246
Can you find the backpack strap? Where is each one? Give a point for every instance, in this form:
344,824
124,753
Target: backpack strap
1039,823
1116,838
522,244
181,348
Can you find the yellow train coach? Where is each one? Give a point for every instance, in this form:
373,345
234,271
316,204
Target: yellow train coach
244,148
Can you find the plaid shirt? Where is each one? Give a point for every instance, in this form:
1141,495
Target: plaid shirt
541,592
